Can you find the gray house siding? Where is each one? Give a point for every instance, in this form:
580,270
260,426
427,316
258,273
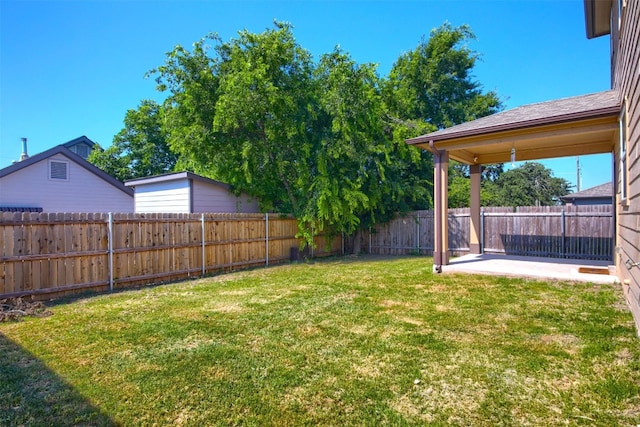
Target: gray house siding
626,80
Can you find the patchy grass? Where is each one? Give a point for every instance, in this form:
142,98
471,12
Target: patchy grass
355,341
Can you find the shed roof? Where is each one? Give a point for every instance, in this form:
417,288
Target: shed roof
173,176
564,127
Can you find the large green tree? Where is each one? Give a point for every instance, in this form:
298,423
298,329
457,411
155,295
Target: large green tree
140,148
242,113
531,184
435,83
348,179
325,140
303,138
430,88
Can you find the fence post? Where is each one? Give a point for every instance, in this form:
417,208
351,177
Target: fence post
313,239
204,256
417,221
369,240
266,238
110,241
482,231
342,237
564,232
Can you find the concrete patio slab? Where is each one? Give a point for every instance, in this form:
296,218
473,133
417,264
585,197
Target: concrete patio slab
532,267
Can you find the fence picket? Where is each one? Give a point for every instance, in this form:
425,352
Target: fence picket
538,231
47,253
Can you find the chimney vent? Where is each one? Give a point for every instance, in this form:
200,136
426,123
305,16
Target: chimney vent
24,155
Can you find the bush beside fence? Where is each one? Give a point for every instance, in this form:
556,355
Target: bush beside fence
51,253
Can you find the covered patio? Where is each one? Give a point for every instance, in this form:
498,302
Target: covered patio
576,126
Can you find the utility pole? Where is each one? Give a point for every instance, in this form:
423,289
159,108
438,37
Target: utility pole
578,173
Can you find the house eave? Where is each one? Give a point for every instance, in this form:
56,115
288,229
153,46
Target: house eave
597,14
567,118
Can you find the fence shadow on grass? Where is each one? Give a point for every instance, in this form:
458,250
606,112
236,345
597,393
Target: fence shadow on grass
32,394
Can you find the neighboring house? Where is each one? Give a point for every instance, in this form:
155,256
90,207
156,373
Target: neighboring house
186,192
599,195
59,180
604,122
82,146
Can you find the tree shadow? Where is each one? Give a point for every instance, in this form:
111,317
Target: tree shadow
33,395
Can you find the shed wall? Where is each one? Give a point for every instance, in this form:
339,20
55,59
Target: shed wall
214,198
163,197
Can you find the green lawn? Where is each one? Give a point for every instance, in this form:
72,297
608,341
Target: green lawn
353,341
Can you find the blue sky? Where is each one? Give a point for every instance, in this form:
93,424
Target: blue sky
72,68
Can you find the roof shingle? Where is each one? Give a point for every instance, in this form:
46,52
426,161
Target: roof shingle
556,111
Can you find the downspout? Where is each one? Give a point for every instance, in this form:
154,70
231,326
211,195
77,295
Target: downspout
437,203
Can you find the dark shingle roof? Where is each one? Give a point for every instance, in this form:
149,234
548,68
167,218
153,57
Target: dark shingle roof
597,192
78,140
549,112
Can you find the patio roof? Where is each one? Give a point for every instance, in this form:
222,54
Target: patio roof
579,125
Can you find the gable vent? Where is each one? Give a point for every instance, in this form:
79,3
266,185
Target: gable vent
58,170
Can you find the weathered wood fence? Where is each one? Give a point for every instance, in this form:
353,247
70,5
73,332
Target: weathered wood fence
49,253
580,232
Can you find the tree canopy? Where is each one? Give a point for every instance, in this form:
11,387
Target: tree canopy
322,140
140,149
530,184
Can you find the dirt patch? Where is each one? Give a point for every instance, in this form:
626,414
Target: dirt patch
14,309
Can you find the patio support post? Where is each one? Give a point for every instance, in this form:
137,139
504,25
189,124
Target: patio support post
444,203
441,220
475,246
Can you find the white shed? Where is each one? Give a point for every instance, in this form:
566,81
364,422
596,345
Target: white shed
186,192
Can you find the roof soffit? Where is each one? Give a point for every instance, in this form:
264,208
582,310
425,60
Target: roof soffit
590,136
582,125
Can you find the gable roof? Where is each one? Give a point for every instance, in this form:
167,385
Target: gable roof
556,111
62,149
173,176
598,192
79,140
577,125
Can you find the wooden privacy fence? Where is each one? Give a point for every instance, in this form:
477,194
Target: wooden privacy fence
44,253
580,232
